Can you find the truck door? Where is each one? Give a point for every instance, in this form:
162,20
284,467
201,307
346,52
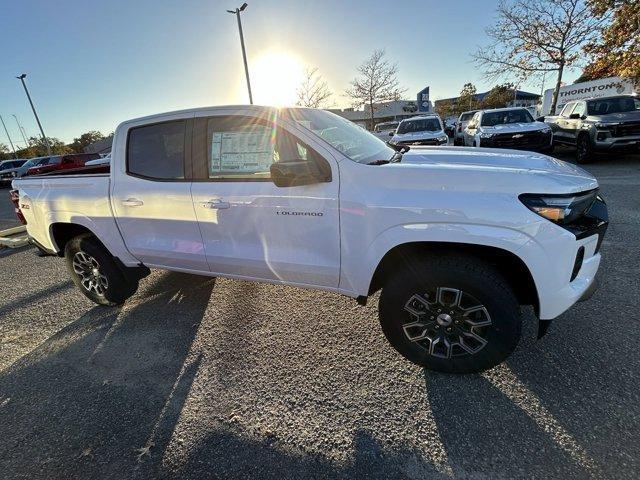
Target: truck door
560,133
151,195
252,228
574,122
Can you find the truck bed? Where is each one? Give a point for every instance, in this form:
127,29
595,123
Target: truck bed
80,198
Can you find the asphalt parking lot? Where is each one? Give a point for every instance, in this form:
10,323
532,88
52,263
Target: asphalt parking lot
213,378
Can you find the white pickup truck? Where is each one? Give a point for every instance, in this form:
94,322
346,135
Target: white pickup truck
457,239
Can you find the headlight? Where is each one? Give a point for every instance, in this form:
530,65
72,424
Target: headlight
486,135
443,139
559,209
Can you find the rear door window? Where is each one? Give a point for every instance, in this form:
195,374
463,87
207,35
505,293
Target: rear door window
157,151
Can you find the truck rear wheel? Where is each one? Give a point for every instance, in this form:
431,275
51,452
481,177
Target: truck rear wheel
95,272
450,314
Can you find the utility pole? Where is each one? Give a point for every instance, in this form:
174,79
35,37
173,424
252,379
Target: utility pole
9,137
244,53
24,138
44,138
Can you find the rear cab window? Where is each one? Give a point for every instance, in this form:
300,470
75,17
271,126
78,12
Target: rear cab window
157,151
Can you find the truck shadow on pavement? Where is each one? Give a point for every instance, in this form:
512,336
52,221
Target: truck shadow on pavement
107,384
103,397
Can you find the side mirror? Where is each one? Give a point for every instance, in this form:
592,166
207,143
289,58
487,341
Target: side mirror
297,172
391,134
574,116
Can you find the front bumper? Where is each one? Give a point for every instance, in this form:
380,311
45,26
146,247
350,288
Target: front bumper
618,144
589,231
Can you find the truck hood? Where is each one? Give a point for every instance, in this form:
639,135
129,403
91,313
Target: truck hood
616,117
511,170
515,127
417,136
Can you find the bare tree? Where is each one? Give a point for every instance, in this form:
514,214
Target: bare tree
376,83
531,37
314,91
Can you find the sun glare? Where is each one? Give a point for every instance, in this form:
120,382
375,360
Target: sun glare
275,78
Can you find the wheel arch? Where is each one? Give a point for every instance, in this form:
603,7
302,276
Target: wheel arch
511,266
62,232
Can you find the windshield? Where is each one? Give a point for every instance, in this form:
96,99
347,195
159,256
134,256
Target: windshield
347,137
421,125
613,105
489,119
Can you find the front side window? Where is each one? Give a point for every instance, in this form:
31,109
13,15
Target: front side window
473,123
420,125
244,148
566,110
505,117
157,151
579,109
465,117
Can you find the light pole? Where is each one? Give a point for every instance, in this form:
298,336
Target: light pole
24,139
244,53
9,137
44,138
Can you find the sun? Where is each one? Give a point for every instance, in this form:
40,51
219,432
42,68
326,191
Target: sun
275,77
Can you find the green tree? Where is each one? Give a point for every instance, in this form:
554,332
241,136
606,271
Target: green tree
498,96
467,97
79,144
617,50
532,37
5,153
38,148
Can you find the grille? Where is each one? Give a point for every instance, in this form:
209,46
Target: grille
521,140
419,142
627,129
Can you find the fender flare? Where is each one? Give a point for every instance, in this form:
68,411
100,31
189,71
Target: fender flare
510,240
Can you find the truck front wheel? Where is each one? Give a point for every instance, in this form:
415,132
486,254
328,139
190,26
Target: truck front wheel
95,272
450,314
584,151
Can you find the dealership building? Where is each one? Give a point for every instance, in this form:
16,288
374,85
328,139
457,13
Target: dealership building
520,99
382,112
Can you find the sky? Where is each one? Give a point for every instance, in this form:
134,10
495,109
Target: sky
92,64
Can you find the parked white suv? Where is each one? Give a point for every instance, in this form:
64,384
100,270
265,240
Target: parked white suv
456,239
422,130
461,124
512,128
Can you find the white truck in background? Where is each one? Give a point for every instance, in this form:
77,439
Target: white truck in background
457,239
603,87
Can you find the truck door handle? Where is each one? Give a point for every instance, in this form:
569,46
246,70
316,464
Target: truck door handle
216,204
132,202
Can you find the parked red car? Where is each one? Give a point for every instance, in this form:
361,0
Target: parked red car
62,162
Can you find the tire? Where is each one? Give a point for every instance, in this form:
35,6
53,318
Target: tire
476,321
96,273
584,150
548,150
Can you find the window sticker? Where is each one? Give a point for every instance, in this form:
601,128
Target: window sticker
249,151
